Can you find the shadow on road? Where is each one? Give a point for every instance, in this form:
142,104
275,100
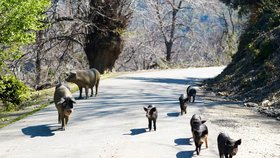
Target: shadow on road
185,154
137,131
190,80
183,141
173,114
39,131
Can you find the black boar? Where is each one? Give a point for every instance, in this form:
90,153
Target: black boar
227,146
151,114
191,92
85,79
199,132
63,100
183,99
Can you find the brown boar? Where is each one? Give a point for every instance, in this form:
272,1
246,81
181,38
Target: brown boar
199,132
63,100
85,79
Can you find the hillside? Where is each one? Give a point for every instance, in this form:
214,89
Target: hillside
253,78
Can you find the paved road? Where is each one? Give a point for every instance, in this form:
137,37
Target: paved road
113,124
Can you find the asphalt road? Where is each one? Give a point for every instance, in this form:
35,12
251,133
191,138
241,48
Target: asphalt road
113,124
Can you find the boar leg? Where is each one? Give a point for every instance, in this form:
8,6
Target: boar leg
91,88
63,124
86,89
150,124
66,120
193,98
155,125
206,141
197,148
81,90
96,87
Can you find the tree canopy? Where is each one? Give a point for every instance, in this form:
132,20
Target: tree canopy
19,19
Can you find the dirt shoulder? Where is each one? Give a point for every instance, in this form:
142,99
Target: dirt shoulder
259,133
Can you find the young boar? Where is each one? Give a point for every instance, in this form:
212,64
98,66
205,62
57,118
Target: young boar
199,132
63,100
183,99
191,92
227,146
151,114
85,79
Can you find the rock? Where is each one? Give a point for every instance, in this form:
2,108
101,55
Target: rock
267,103
250,104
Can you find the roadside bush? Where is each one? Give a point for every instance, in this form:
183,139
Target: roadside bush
13,93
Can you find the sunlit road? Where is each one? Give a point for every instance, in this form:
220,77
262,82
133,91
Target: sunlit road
113,124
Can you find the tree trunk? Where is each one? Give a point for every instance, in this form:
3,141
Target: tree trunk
103,42
103,51
168,50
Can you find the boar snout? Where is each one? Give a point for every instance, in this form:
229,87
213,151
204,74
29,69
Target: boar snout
68,112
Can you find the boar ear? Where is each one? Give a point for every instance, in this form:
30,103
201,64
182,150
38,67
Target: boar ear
153,109
62,100
145,108
73,99
73,73
238,142
203,121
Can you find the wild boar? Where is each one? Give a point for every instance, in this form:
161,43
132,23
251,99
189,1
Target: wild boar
227,146
63,100
151,114
183,99
85,79
199,132
191,92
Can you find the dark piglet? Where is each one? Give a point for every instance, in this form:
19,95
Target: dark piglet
191,92
199,132
183,99
227,146
151,114
63,100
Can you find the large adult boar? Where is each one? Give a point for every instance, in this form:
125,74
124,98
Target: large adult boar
191,92
151,114
183,99
85,79
227,146
63,100
199,132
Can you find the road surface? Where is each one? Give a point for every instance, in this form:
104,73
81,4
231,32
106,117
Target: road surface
113,124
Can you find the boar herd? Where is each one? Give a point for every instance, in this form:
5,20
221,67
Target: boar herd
63,98
227,146
86,79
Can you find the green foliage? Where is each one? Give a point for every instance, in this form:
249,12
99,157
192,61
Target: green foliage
19,21
13,92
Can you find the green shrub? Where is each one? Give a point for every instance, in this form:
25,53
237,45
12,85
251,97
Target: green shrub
13,93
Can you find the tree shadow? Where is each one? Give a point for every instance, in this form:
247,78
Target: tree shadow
137,131
189,80
183,141
40,130
173,114
185,154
